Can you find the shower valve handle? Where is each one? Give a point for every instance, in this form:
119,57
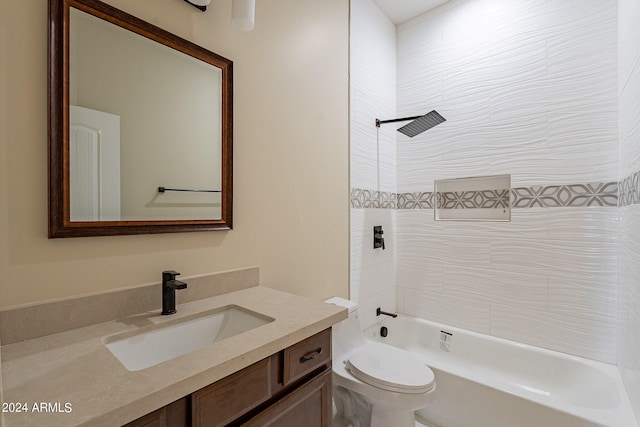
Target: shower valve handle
378,240
381,239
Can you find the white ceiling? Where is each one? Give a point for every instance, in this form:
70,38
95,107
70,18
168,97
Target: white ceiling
401,10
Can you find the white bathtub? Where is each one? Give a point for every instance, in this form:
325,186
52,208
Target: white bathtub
484,381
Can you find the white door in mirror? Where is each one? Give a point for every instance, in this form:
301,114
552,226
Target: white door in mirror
94,165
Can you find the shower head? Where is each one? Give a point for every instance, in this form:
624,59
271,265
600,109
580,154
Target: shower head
418,124
422,124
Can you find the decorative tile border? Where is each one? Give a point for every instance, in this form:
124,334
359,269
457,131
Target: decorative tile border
361,198
575,195
629,190
484,199
418,200
592,194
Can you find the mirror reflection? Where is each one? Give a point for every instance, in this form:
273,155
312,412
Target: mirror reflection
134,109
141,117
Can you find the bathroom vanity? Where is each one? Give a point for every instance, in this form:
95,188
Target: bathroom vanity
291,387
272,374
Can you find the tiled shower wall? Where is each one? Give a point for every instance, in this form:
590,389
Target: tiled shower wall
629,119
373,155
529,88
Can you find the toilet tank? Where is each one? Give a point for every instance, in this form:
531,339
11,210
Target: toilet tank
346,335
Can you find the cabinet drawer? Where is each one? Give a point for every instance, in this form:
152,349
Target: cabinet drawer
309,405
233,396
306,356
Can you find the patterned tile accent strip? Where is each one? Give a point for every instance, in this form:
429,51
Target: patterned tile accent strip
629,189
483,199
623,193
418,200
361,198
574,195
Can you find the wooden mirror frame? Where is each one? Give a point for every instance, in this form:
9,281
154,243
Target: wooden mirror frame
60,224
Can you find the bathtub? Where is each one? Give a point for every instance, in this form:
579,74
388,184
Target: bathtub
483,381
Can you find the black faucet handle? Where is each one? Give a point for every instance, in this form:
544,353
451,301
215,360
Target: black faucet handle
378,240
170,274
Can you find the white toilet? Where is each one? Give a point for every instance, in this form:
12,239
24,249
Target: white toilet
374,381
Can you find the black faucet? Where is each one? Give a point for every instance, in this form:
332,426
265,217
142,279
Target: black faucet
379,312
169,286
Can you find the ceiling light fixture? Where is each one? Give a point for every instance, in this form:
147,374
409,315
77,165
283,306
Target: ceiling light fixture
200,4
243,14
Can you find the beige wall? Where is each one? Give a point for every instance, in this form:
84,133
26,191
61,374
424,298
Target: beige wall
291,157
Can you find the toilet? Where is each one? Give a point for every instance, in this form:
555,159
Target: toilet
374,384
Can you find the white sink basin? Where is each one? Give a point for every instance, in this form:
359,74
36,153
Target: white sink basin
160,343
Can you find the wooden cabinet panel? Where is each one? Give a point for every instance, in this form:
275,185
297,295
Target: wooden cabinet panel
153,419
308,406
229,398
306,356
176,414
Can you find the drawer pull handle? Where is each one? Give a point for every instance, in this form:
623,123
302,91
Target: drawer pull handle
312,355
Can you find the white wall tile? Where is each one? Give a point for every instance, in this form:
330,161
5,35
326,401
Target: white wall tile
364,141
509,68
528,88
373,155
363,282
372,95
451,309
526,21
588,299
365,172
515,289
629,123
629,132
594,339
629,39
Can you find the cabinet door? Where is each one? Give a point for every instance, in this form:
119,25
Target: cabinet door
175,414
226,400
153,419
308,405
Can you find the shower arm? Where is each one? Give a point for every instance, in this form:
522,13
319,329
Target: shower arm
417,124
381,122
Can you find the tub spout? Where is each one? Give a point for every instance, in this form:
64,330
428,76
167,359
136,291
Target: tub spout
379,312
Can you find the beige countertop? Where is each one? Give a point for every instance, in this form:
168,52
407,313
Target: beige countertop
70,378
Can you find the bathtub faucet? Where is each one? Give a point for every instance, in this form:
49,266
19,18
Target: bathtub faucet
379,312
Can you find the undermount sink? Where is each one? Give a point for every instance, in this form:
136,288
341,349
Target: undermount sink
160,343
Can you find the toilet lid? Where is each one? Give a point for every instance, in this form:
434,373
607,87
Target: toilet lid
390,369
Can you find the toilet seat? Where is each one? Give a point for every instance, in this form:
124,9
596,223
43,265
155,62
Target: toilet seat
390,369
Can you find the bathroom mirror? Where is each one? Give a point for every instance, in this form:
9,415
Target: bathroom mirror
140,127
478,198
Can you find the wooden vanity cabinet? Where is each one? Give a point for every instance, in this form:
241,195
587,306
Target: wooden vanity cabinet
289,388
